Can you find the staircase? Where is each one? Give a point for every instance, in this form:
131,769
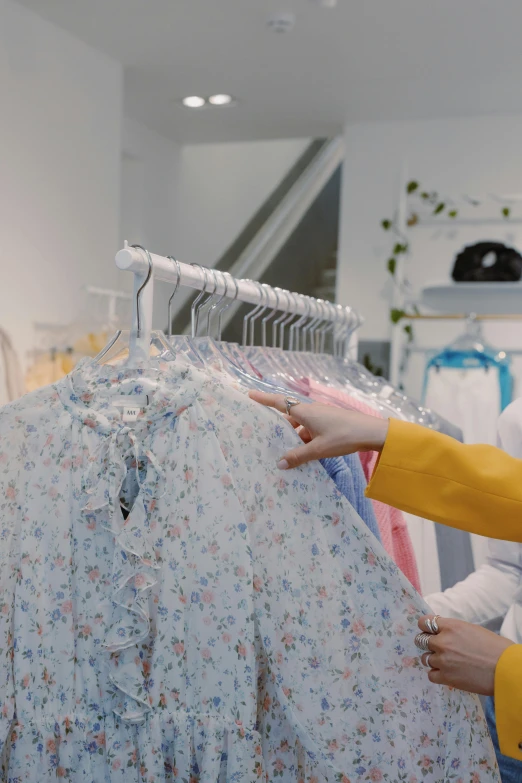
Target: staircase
325,288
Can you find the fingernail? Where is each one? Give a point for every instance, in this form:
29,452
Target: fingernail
283,465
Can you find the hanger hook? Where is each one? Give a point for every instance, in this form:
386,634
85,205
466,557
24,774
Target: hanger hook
264,299
269,316
248,316
294,329
287,320
178,269
214,273
281,318
229,304
194,314
140,289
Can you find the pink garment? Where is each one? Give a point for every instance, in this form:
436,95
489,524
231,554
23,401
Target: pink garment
392,524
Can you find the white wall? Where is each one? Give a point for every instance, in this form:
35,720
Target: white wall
474,155
60,141
193,201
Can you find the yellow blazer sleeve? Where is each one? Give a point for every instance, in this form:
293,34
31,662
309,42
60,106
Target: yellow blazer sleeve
508,701
474,488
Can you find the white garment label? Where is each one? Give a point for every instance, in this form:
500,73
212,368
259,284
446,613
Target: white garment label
131,406
131,412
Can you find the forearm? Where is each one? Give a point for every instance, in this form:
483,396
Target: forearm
474,488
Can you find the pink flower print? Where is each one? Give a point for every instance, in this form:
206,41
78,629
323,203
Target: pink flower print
10,493
333,744
425,741
426,763
241,650
226,480
207,620
67,607
58,561
25,681
3,458
388,707
206,654
475,778
116,764
379,642
48,441
50,746
90,423
66,464
362,728
175,532
258,584
408,662
279,658
279,765
288,639
240,571
277,538
53,493
322,592
94,574
213,549
359,627
347,674
281,484
91,525
226,638
179,648
140,580
345,779
335,519
286,691
61,772
207,597
376,775
247,431
189,474
86,630
183,599
371,559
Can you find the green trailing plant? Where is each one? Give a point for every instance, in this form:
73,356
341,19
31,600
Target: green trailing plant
439,207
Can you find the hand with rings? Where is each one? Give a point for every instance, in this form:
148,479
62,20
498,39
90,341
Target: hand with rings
459,654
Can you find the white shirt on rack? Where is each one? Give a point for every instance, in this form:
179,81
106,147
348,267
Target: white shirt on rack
492,595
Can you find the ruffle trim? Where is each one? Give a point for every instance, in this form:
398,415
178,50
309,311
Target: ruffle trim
165,748
135,565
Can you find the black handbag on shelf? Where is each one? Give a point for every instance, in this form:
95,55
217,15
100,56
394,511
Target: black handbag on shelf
487,262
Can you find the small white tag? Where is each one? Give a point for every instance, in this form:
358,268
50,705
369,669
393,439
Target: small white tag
386,392
131,412
131,406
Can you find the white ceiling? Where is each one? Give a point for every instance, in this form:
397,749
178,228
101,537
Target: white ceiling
364,60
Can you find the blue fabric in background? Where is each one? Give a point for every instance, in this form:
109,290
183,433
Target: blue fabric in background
349,478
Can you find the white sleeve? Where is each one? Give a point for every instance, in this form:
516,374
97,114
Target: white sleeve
486,595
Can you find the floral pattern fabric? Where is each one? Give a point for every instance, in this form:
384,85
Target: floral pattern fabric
174,608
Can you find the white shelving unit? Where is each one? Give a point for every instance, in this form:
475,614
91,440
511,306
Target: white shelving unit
480,298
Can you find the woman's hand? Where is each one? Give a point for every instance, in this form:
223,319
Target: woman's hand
464,655
326,431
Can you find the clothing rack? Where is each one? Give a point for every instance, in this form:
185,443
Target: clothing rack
134,259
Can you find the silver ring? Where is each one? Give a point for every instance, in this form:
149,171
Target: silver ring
427,662
422,641
429,625
290,402
434,624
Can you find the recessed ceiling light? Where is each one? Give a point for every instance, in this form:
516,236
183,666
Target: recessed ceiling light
193,102
220,100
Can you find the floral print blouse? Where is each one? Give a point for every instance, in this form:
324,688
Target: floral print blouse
174,608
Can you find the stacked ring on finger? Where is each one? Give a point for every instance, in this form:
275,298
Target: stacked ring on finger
434,624
427,660
422,641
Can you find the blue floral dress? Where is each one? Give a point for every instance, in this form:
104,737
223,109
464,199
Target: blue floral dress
174,608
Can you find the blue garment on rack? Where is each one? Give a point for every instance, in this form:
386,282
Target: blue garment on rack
463,360
349,478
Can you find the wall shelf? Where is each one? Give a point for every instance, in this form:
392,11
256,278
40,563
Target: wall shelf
480,298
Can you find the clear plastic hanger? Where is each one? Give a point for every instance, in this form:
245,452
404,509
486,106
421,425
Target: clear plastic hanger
135,347
181,343
472,339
